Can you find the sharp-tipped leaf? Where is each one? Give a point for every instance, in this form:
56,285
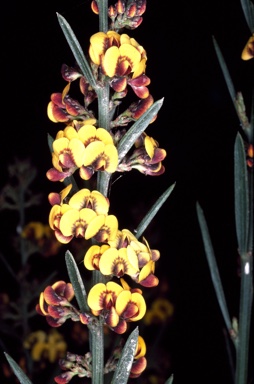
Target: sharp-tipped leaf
23,379
50,142
76,280
225,71
248,10
137,128
241,195
152,212
124,365
213,266
170,380
77,50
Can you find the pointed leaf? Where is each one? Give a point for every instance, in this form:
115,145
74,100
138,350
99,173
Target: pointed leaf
241,195
170,380
23,379
225,71
248,10
137,128
50,142
213,266
76,280
124,365
152,212
77,50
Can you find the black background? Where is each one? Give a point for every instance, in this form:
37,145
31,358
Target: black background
196,125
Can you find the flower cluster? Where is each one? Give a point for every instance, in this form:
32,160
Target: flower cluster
101,147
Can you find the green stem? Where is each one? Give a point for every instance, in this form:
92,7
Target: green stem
103,178
246,297
96,337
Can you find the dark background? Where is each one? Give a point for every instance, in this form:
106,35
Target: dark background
196,125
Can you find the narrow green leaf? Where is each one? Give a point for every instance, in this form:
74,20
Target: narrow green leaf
248,10
76,280
50,142
170,380
152,212
124,365
137,128
23,379
77,50
215,276
241,195
225,71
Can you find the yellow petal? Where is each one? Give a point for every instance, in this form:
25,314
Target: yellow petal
93,298
78,151
107,261
78,200
103,135
86,132
131,54
93,151
149,146
67,222
94,226
60,145
100,203
97,46
110,60
111,158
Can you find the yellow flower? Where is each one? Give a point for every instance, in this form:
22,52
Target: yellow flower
116,304
122,59
89,148
161,309
49,346
248,51
85,215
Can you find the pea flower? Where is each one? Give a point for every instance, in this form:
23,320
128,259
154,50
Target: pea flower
248,51
124,14
88,149
85,215
147,157
116,305
139,363
122,59
54,304
139,255
40,238
51,346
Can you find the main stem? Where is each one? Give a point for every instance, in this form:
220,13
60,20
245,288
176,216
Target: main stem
103,179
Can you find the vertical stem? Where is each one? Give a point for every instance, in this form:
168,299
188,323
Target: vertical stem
246,296
103,178
96,336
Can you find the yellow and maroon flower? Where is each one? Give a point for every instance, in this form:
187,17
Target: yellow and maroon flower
54,304
51,346
122,59
40,238
89,148
248,51
139,363
250,155
146,158
85,215
139,258
118,262
93,255
116,304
